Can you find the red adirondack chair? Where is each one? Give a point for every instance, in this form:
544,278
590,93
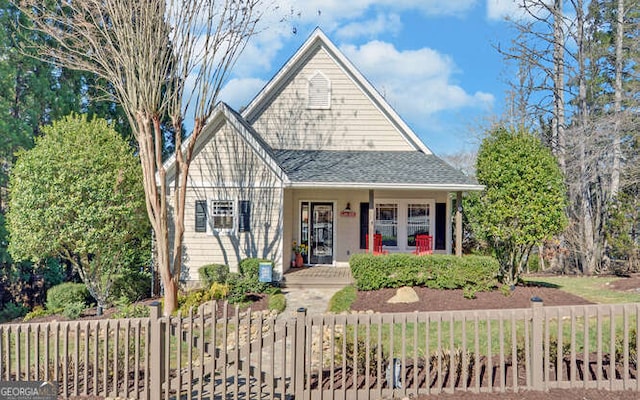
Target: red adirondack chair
377,244
424,244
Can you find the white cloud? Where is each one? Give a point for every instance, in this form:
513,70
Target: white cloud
515,9
371,28
502,9
346,19
417,83
239,92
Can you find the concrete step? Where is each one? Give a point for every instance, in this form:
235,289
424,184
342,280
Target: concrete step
317,277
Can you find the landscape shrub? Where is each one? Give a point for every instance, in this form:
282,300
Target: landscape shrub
37,312
245,283
250,267
192,299
213,273
133,285
241,287
277,302
74,309
68,294
218,291
11,311
127,309
471,273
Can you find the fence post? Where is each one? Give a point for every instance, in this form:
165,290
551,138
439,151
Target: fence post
299,355
156,351
537,350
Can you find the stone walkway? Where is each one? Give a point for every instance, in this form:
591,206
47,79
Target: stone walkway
313,287
315,300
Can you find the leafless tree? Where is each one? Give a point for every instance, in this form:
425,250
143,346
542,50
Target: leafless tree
163,57
565,49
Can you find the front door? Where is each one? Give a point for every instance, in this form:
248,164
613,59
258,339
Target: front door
320,230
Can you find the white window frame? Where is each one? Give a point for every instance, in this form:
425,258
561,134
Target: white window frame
403,207
213,214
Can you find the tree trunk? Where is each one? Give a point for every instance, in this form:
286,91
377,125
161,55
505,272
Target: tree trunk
170,296
558,85
617,106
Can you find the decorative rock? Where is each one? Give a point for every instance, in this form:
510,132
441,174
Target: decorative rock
404,295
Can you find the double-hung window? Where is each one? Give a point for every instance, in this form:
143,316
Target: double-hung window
387,223
222,215
400,220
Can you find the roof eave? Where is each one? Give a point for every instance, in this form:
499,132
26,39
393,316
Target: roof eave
449,187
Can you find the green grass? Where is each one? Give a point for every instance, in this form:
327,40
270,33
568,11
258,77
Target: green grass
594,289
342,300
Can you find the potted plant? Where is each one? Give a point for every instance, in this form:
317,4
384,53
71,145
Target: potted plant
299,250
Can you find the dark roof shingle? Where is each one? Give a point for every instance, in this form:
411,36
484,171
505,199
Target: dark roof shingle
374,167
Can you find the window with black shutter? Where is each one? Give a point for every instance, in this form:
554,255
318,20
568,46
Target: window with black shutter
244,220
201,215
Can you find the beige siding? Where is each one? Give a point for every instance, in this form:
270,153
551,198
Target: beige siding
352,122
226,168
347,229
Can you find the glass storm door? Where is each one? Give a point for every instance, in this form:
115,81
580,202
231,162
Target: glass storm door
320,233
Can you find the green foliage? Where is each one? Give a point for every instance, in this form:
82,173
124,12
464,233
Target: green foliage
68,294
127,309
78,195
250,267
37,312
524,201
11,311
472,273
195,298
213,273
241,287
218,291
622,231
74,309
342,299
131,284
277,302
192,299
247,282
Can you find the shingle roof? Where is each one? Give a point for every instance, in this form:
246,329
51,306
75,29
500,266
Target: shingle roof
369,167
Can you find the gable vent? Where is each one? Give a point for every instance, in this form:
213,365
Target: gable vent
319,91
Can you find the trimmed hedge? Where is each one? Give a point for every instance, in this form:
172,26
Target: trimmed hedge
250,267
67,295
213,273
471,273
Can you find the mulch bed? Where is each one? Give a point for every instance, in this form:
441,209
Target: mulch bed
438,300
434,300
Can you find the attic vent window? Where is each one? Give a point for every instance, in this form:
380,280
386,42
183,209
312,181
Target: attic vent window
319,92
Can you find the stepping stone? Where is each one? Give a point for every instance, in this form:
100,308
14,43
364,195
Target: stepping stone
404,295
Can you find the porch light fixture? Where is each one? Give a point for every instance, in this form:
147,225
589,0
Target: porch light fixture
347,212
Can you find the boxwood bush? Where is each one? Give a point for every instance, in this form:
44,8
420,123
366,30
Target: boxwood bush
68,298
213,273
471,273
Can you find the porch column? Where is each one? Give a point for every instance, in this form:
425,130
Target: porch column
459,224
372,216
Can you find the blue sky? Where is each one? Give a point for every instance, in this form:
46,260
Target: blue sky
433,60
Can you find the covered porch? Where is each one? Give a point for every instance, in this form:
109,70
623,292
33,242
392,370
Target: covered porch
331,224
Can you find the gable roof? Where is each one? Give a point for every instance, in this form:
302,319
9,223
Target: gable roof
371,169
318,39
224,113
